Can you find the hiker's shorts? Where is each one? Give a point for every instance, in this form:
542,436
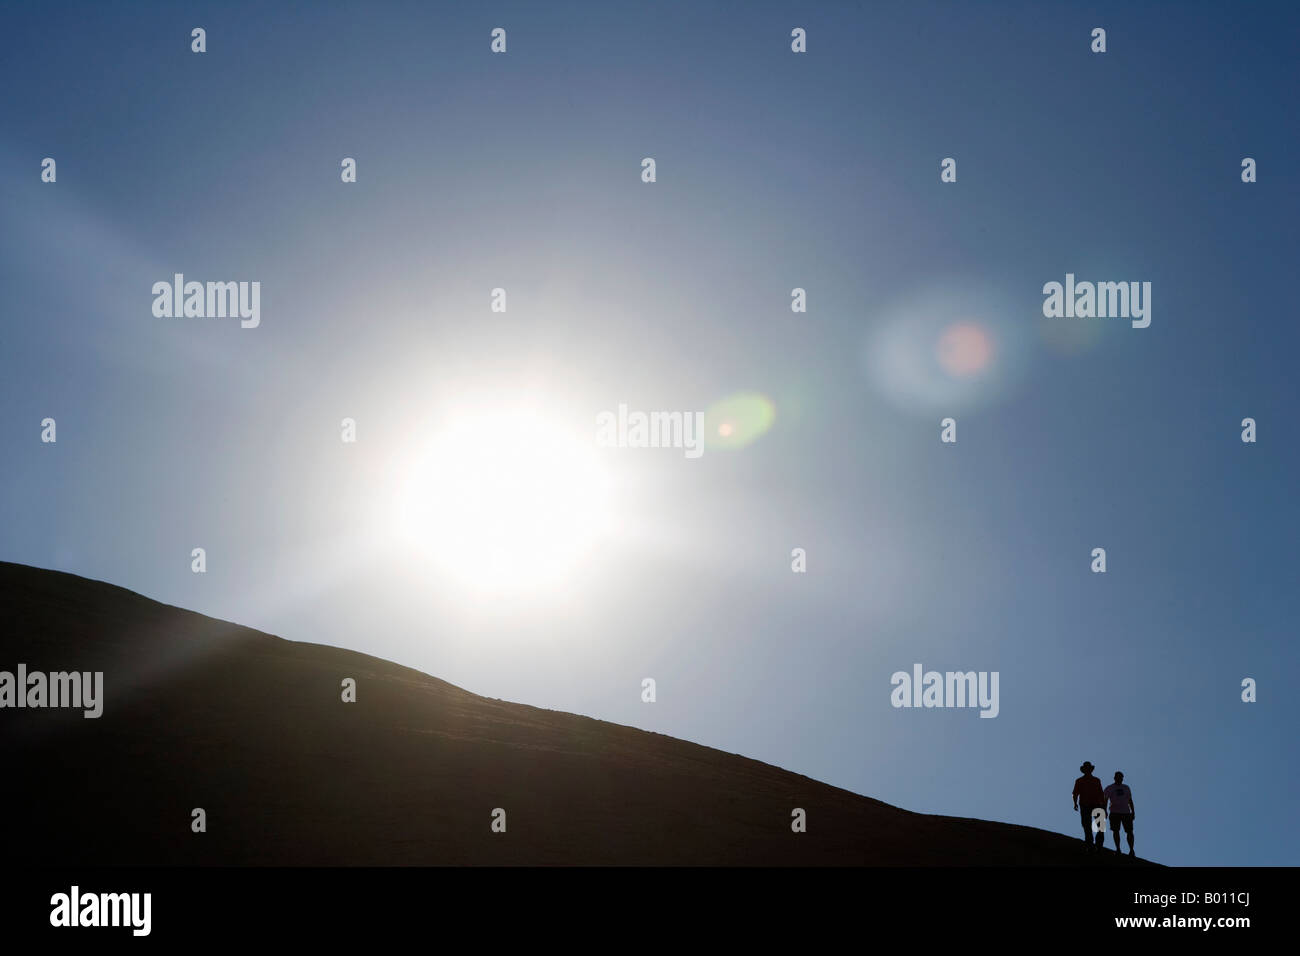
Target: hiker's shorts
1125,818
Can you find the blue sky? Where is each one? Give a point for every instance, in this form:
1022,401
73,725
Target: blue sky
774,171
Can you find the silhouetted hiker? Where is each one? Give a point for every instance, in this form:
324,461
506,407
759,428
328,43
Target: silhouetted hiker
1088,796
1121,810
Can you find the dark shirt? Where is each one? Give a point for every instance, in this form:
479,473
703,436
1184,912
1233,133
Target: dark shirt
1087,790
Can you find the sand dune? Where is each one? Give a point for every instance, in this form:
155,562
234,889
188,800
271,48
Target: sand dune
203,713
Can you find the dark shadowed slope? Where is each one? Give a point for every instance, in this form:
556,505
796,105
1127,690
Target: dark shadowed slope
203,713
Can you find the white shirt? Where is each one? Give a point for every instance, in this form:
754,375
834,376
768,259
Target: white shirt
1120,797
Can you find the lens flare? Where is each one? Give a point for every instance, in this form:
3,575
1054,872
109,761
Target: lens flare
965,349
738,420
955,346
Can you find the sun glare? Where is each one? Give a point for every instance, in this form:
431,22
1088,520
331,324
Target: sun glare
505,502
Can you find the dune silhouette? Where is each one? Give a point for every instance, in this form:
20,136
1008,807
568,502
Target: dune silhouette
200,712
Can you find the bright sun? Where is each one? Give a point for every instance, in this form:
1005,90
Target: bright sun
505,501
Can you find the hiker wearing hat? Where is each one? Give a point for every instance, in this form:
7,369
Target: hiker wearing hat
1088,796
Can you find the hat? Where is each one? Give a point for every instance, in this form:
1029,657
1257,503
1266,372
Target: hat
1087,767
